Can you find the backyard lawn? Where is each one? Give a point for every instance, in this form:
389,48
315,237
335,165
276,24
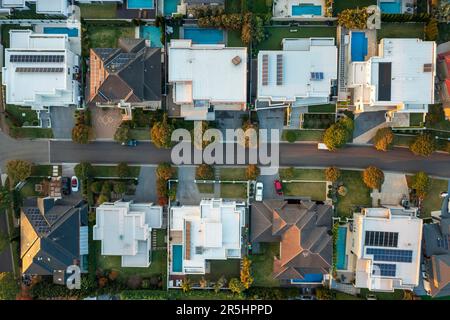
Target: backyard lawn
396,295
259,6
401,30
232,174
229,268
276,34
340,5
315,190
262,265
304,174
233,191
233,6
106,37
31,133
304,135
234,39
357,194
98,11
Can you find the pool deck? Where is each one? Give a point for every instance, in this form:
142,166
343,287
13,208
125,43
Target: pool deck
124,13
225,36
283,8
347,275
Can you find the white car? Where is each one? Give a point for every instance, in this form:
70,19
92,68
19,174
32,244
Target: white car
259,191
444,194
74,184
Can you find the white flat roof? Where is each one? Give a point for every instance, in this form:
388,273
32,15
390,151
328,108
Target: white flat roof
51,6
300,57
206,72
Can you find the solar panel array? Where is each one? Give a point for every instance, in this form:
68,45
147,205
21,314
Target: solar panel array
384,269
36,58
391,255
265,69
279,69
37,221
316,76
39,70
443,242
381,239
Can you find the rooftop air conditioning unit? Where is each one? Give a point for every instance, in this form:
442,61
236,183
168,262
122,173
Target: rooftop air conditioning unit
236,60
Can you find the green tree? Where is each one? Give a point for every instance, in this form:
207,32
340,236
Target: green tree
161,133
18,170
383,139
165,171
236,286
123,170
204,172
291,136
81,133
5,198
332,174
423,145
102,198
252,172
120,187
9,287
421,183
373,177
106,188
84,170
122,134
96,187
323,293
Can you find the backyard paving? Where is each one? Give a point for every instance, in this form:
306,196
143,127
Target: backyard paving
393,190
146,188
105,122
62,119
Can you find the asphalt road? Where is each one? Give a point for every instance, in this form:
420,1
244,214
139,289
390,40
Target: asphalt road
36,151
298,154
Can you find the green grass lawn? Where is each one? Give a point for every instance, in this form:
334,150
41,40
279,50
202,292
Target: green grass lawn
357,195
404,141
233,191
107,37
98,11
234,39
276,34
304,174
262,265
233,6
205,187
232,174
229,268
396,295
304,135
28,188
314,190
401,30
111,171
433,201
415,119
22,116
345,296
140,134
260,6
42,170
31,133
160,236
340,5
322,108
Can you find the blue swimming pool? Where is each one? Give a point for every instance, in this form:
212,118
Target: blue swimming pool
153,34
140,4
177,258
71,32
309,278
359,46
341,258
170,6
391,7
204,35
306,9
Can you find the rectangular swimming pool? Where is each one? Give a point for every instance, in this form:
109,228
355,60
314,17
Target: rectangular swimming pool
306,9
391,7
140,4
359,46
177,258
341,258
153,34
309,278
204,35
170,6
71,32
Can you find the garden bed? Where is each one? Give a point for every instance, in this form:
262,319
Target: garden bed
318,120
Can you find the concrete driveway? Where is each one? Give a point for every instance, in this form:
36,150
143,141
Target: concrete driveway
187,191
367,124
105,122
393,190
146,188
271,119
62,119
269,189
229,120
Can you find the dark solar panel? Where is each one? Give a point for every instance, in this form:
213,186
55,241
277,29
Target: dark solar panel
36,58
392,255
381,239
384,269
39,70
265,70
384,81
279,69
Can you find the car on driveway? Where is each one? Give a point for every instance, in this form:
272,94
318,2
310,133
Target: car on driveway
74,183
65,186
259,191
278,187
130,143
444,194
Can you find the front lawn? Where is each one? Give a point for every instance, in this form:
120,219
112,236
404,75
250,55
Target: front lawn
322,108
262,265
111,171
315,190
340,5
31,133
433,201
402,140
318,120
140,134
232,174
22,116
357,194
303,135
303,174
401,30
276,34
98,11
205,187
107,37
233,191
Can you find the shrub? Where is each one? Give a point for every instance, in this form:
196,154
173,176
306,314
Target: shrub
204,172
332,174
5,198
421,183
106,188
165,171
373,177
245,275
423,145
102,198
252,172
236,286
83,170
122,134
291,136
120,187
383,139
96,187
161,133
123,170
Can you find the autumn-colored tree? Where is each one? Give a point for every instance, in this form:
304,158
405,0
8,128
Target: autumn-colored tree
421,183
353,18
81,133
252,172
122,134
113,275
332,174
373,177
186,285
236,286
423,145
335,137
102,198
383,139
431,30
219,284
246,277
165,171
161,133
18,170
250,134
204,172
102,282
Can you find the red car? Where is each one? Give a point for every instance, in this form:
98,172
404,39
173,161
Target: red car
278,187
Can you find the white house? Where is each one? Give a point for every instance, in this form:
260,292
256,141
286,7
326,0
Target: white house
399,79
386,243
7,5
206,78
301,74
40,70
53,7
124,228
210,231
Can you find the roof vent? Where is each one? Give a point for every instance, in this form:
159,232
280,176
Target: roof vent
236,60
427,67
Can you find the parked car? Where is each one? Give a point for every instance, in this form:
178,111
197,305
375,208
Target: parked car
278,187
65,185
322,146
259,191
74,183
130,143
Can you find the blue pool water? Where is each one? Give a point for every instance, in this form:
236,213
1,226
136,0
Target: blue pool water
170,6
177,258
140,4
310,277
153,34
359,46
341,258
204,36
306,9
71,32
391,7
